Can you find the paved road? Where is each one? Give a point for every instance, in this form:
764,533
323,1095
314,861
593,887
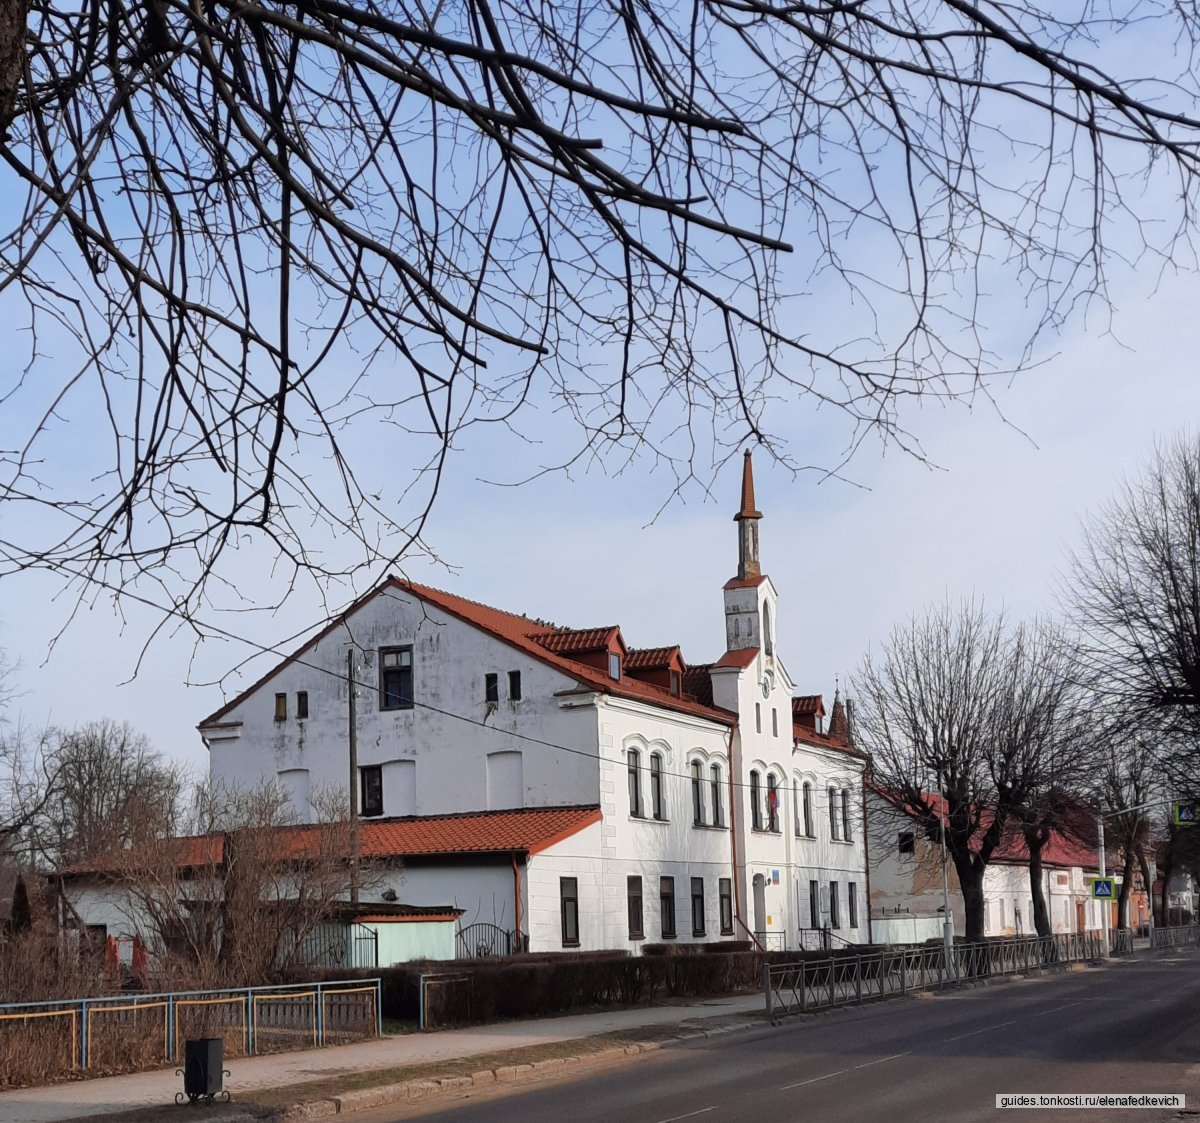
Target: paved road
1132,1027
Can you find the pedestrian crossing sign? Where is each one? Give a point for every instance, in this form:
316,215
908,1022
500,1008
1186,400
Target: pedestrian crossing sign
1185,813
1104,889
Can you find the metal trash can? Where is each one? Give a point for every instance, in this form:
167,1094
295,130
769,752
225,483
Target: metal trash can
203,1069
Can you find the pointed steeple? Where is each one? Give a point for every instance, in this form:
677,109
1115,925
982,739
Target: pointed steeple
747,520
839,726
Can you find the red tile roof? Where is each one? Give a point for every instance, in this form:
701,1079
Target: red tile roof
740,658
808,736
519,631
563,640
745,582
808,704
527,830
651,658
748,510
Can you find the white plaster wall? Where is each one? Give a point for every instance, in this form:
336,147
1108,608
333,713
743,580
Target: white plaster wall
107,904
483,890
449,755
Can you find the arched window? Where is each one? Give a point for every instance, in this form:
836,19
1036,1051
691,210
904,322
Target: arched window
768,647
756,820
714,785
808,814
697,793
658,806
772,802
846,815
796,824
834,818
634,759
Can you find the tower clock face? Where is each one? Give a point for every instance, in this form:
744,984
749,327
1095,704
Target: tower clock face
767,683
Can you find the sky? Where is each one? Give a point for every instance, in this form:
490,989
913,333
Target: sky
992,513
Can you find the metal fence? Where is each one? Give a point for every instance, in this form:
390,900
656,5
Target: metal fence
45,1041
1184,936
484,941
1120,941
820,984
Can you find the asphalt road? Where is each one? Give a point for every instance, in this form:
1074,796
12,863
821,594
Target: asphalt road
1133,1027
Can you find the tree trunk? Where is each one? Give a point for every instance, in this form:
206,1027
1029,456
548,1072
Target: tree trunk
13,17
1126,885
1144,866
1035,840
970,880
1165,873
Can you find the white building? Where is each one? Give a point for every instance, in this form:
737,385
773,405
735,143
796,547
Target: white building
722,807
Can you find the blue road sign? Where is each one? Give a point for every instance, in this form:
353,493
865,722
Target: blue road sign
1185,814
1104,888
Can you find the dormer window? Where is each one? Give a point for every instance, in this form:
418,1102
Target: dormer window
614,667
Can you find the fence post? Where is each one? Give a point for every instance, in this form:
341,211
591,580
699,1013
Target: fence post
320,1017
803,986
903,971
251,1014
767,988
858,978
170,1028
83,1034
378,1007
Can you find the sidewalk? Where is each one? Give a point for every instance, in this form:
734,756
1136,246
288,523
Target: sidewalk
107,1095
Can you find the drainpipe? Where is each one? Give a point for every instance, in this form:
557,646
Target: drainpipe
517,901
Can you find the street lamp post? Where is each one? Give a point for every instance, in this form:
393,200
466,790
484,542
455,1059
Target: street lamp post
947,920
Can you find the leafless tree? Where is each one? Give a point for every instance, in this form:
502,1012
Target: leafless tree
963,716
241,232
1135,596
110,790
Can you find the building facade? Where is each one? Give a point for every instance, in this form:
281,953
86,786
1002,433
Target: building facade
726,809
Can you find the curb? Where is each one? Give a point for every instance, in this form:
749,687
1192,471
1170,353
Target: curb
410,1090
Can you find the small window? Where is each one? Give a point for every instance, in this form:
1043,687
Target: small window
714,785
725,890
814,904
658,807
371,783
514,686
634,897
847,835
757,717
666,906
281,707
852,903
302,703
396,678
835,920
491,689
774,722
634,759
755,801
906,843
675,684
614,666
697,793
568,893
834,819
772,802
806,794
697,906
766,627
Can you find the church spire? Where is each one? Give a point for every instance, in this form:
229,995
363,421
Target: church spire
747,520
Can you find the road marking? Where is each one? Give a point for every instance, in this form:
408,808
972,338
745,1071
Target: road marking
975,1032
689,1114
1056,1009
843,1071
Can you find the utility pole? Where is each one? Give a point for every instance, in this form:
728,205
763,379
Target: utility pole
1104,905
947,921
352,737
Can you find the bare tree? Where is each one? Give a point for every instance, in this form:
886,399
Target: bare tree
110,790
1135,596
250,229
962,716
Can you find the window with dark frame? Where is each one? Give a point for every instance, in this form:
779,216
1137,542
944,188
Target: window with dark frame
370,790
634,761
491,688
302,703
614,667
633,894
666,906
658,807
796,824
772,802
774,722
808,812
852,903
697,906
697,794
835,920
725,894
718,807
281,707
833,814
847,835
814,904
755,801
396,678
757,717
514,686
568,894
906,843
676,684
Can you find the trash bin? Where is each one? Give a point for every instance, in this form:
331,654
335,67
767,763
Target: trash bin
203,1067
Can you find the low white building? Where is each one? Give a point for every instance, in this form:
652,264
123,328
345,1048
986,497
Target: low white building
907,885
717,805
